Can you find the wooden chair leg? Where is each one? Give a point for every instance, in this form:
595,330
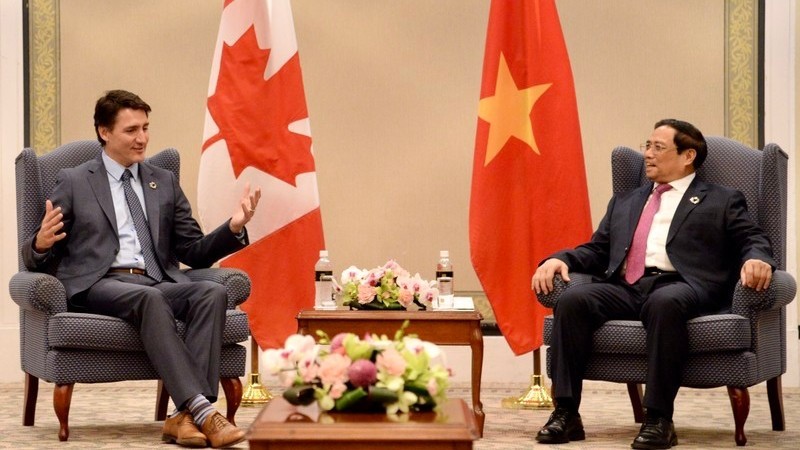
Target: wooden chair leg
740,403
29,403
233,396
775,397
62,397
162,401
635,393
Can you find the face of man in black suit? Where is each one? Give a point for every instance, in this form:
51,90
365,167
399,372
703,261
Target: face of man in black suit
126,140
662,162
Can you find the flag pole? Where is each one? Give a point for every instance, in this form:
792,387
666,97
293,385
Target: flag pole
537,396
255,393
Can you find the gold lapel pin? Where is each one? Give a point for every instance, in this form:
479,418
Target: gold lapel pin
694,200
153,185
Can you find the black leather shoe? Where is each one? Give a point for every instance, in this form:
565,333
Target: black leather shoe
656,433
562,427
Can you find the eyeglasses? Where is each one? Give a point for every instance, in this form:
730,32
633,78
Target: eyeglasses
657,147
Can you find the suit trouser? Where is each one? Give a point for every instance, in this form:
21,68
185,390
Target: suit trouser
188,366
662,302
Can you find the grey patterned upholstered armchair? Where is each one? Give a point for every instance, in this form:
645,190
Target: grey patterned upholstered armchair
737,348
65,348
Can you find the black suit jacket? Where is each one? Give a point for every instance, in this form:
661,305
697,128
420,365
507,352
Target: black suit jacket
710,237
92,242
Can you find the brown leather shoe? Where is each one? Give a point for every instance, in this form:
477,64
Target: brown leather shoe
220,432
182,430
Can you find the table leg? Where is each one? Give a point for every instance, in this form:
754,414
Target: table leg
476,344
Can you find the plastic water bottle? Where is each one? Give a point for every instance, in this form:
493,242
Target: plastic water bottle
323,282
444,280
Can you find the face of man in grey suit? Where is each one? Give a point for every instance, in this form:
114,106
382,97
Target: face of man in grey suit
110,229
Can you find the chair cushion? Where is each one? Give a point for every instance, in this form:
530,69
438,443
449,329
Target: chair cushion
714,333
72,330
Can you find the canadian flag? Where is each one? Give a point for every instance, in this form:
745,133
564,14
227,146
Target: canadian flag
257,131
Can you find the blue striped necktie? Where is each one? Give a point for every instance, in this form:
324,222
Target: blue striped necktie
142,230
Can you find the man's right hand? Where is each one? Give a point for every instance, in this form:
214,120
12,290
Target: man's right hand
50,231
542,282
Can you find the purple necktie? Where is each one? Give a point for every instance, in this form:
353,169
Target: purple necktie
635,263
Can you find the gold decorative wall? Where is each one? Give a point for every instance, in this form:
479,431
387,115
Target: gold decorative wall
741,71
43,70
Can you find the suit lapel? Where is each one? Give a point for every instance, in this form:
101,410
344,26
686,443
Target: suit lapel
151,191
98,180
693,196
638,200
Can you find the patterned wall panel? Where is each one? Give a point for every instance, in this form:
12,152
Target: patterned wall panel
43,70
741,71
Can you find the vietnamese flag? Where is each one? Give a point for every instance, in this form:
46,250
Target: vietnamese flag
529,196
257,131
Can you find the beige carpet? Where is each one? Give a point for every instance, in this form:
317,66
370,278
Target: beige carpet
119,415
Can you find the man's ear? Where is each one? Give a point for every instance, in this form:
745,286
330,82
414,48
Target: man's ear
689,154
103,132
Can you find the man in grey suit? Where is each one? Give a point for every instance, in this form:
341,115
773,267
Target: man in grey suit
663,254
109,228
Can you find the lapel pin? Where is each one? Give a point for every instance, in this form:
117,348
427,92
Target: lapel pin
694,200
153,185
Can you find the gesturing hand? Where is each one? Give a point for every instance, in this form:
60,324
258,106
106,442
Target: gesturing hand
246,209
50,231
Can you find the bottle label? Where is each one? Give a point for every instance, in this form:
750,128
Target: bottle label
444,273
321,273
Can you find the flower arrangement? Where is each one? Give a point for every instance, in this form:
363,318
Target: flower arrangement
355,374
386,287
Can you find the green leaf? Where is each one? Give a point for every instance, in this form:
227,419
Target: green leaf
382,395
299,395
350,399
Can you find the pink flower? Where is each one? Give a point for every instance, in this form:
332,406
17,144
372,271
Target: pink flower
366,293
405,297
337,343
333,369
391,361
433,387
362,373
307,368
337,390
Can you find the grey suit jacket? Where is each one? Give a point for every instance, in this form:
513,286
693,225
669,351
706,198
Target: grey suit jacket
92,242
710,237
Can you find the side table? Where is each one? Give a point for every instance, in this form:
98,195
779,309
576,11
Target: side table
439,327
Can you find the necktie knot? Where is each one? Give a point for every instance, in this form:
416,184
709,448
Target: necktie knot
661,188
126,176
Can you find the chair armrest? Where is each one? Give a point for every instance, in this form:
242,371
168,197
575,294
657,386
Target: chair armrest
235,281
559,286
780,293
38,292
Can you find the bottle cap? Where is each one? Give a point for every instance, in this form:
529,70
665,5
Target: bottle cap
323,253
444,254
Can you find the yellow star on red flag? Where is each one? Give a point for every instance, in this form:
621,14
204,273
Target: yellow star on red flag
508,111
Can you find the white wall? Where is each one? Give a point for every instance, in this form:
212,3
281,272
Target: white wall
780,127
11,141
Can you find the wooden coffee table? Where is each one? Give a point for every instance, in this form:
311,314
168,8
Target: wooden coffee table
439,327
281,426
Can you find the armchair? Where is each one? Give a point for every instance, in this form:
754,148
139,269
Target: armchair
737,348
64,347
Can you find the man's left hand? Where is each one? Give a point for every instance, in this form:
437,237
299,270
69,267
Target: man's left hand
756,274
246,209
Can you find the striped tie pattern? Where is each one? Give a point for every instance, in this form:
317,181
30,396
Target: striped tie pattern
142,230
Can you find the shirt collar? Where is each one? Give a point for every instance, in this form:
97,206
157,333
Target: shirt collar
116,169
681,184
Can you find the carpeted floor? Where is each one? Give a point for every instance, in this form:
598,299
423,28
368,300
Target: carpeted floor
119,415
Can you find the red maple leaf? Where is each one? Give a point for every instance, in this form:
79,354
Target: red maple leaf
253,114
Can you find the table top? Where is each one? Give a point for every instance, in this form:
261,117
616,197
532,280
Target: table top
378,315
281,421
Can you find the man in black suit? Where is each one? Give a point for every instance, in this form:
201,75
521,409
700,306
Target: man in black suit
109,229
682,258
